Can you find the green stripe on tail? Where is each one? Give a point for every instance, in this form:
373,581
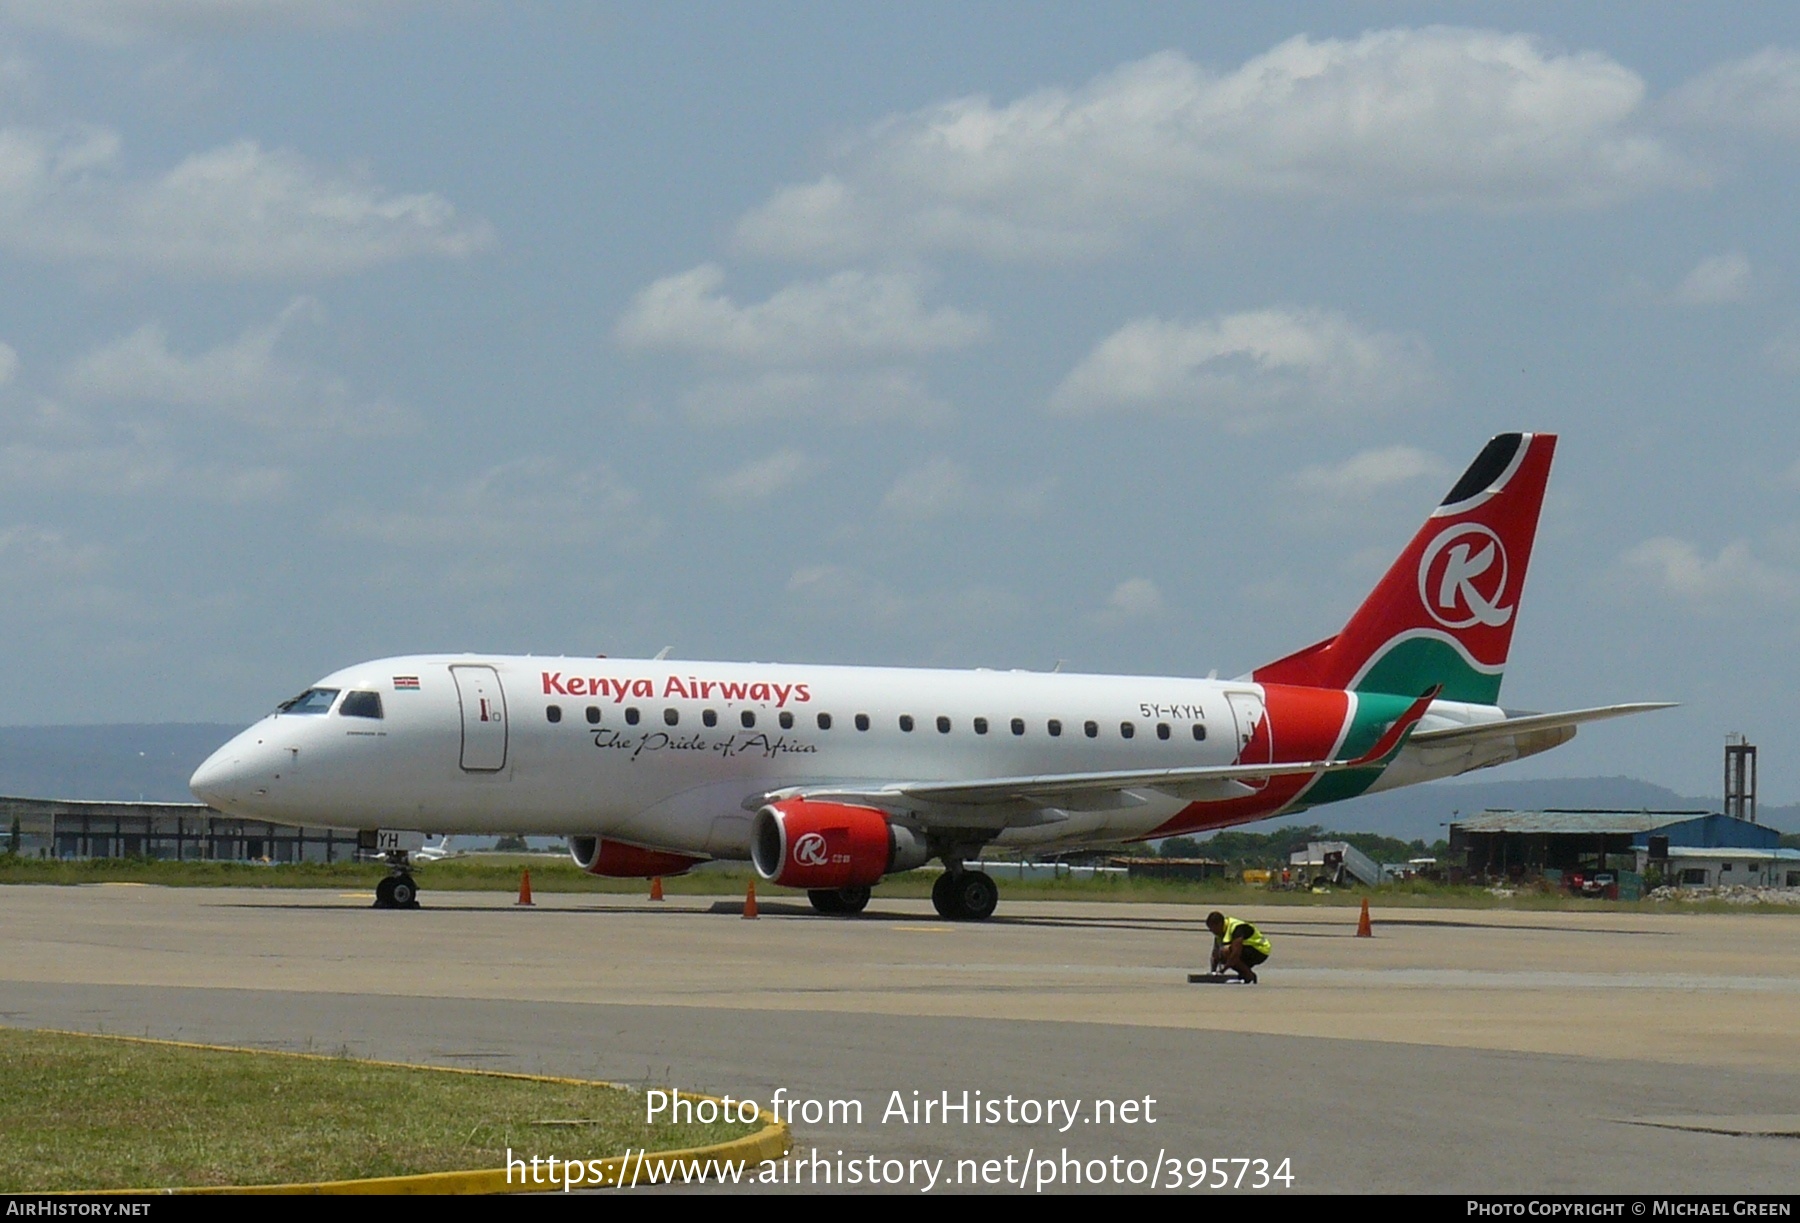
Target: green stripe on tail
1411,665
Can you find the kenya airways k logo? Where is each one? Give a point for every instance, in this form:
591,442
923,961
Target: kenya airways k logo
1463,576
810,850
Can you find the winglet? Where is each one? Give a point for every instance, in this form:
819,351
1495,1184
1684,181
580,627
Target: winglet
1402,727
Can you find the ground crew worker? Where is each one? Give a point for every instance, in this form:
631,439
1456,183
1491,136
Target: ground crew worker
1237,945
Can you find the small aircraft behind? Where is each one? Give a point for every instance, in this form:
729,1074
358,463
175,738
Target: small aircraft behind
438,852
830,778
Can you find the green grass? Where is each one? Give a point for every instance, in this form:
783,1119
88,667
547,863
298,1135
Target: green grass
500,873
84,1112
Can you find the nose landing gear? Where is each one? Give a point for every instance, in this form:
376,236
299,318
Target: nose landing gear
397,891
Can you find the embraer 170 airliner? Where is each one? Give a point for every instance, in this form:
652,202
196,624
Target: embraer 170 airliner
829,778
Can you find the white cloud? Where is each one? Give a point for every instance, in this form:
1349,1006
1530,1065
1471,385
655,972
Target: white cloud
843,593
1428,117
838,588
119,22
131,471
237,210
1132,600
936,487
1733,579
526,504
941,485
18,76
28,550
1349,495
247,379
1759,93
853,318
1715,281
839,398
46,576
763,478
49,447
1364,475
1248,370
852,314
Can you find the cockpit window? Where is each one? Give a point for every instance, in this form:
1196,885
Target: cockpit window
361,705
313,700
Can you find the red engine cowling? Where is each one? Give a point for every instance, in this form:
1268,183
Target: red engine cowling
618,860
817,845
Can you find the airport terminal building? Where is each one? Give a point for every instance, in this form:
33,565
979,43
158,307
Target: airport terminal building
67,828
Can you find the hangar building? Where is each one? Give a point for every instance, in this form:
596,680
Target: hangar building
1524,844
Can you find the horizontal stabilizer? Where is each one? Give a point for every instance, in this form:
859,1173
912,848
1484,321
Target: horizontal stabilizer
1459,735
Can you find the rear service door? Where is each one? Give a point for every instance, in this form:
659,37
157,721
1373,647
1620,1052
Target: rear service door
483,718
1255,744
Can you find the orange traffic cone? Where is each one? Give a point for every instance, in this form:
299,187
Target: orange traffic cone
750,900
656,887
525,888
1363,928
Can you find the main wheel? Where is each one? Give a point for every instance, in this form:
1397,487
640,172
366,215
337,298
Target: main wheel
404,893
852,900
977,895
965,896
384,893
825,900
943,897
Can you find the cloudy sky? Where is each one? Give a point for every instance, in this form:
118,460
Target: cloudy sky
967,335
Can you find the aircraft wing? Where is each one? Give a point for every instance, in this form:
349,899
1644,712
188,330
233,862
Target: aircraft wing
1091,791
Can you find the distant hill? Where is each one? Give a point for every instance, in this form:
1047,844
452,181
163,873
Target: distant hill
145,761
153,761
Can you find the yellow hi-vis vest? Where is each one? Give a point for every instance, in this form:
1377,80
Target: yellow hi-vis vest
1256,942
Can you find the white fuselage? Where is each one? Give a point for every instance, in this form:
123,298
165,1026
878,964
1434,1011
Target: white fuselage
676,755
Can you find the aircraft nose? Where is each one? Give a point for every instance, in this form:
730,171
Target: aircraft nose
212,781
226,778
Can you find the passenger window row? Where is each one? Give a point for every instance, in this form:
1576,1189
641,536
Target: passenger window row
785,719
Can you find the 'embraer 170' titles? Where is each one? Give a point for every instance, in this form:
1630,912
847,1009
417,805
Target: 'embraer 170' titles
830,778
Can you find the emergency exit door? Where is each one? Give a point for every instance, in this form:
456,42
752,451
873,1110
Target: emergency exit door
483,718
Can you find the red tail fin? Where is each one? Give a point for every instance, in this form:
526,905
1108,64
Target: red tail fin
1444,613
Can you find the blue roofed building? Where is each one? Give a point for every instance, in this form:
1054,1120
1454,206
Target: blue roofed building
1525,844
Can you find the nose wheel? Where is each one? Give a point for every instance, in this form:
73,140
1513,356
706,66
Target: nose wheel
965,895
397,890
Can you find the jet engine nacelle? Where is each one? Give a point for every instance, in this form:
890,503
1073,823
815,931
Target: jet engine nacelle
817,845
617,860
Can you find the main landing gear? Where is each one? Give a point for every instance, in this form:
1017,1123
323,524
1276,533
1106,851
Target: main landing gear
961,894
397,891
840,902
